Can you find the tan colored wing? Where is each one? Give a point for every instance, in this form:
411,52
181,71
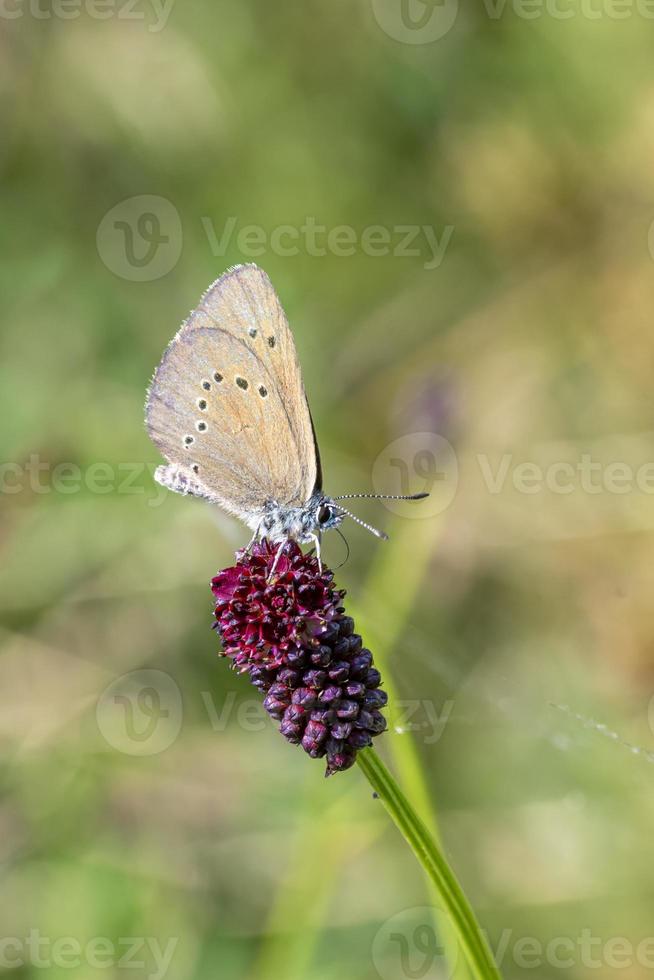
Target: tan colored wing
228,402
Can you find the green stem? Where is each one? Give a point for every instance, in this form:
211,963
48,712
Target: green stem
469,935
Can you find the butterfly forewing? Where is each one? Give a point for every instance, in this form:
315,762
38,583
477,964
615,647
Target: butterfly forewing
227,402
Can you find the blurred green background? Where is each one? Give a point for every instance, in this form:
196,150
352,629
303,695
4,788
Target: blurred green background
143,793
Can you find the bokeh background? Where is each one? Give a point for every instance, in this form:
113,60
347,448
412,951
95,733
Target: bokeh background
143,793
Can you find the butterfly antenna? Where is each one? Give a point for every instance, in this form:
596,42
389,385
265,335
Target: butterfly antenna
368,527
382,496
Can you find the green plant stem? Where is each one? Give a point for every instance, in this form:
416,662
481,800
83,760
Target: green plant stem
382,623
469,935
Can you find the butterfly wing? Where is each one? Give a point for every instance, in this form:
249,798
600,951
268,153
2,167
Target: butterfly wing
227,406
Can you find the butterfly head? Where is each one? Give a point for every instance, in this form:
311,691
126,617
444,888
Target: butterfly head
327,514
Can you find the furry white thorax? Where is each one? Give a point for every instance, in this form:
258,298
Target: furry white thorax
279,522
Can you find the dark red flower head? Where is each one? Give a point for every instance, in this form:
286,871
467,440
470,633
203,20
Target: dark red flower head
289,632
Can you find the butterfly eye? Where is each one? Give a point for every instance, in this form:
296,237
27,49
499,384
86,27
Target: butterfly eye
324,514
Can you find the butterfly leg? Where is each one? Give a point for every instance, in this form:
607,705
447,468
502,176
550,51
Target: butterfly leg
253,539
278,555
316,538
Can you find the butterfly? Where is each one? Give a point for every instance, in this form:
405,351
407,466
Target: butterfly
228,411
